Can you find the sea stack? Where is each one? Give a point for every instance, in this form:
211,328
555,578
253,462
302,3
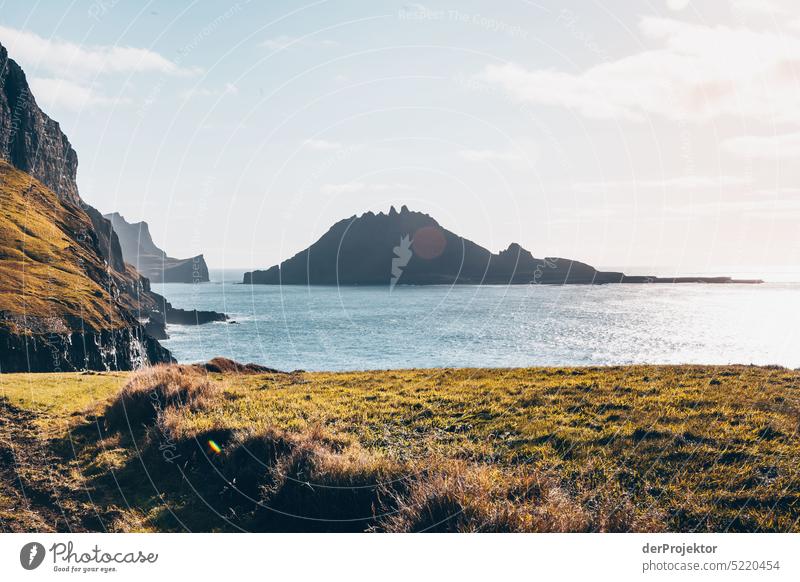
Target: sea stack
139,250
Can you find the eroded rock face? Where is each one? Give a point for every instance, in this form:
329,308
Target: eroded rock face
126,348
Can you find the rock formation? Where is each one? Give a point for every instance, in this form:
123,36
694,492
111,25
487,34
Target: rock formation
411,248
139,250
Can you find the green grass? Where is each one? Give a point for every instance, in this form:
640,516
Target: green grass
46,257
677,448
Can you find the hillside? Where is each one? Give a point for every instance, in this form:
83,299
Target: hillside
636,448
139,250
411,248
59,306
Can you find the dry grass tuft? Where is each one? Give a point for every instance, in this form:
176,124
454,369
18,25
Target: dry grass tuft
456,496
159,390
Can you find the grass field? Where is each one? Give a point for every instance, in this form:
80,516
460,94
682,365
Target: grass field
639,448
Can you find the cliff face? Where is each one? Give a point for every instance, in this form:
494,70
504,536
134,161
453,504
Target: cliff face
68,299
411,248
139,250
30,140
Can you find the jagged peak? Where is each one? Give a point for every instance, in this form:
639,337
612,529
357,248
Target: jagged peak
393,213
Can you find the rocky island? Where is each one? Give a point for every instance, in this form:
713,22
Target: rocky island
412,248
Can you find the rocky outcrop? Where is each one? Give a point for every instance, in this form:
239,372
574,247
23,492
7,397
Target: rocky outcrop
139,250
192,316
411,248
68,299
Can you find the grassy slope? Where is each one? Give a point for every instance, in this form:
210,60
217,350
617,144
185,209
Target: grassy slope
706,448
45,257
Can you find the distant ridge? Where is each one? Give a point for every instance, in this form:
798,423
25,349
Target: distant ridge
412,248
140,251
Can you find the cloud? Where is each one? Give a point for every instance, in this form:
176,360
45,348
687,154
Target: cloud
745,8
64,74
767,147
61,92
768,207
522,152
67,59
323,145
353,187
227,89
677,183
284,41
491,156
677,5
696,73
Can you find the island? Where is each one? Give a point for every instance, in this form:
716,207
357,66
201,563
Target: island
412,248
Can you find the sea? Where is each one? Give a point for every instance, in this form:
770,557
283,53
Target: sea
368,328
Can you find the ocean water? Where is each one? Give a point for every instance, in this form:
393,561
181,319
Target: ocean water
358,328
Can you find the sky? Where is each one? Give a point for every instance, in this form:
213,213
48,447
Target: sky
659,136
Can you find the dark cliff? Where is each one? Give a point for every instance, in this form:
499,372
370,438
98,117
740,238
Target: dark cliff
69,301
139,250
411,248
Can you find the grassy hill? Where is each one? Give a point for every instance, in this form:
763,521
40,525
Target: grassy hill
640,448
49,271
63,306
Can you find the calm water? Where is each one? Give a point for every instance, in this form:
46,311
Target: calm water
328,328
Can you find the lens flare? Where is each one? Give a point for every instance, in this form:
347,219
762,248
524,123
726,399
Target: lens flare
214,446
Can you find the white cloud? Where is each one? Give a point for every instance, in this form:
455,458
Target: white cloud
60,92
677,5
67,59
745,8
696,73
768,147
677,183
766,208
284,41
227,89
323,145
491,156
521,152
353,187
64,74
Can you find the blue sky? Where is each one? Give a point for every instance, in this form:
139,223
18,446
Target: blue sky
661,134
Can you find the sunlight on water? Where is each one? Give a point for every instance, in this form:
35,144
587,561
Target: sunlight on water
328,328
